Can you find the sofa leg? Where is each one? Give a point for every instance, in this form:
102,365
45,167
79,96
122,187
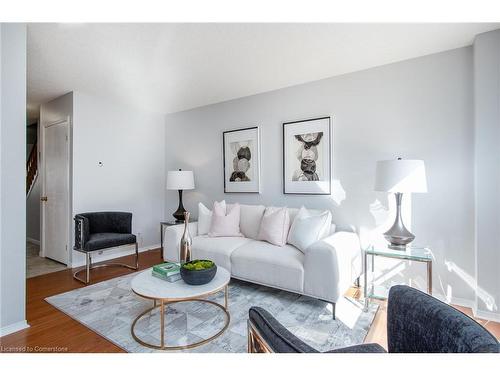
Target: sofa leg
333,311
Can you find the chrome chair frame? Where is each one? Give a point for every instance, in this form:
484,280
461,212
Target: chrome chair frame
88,258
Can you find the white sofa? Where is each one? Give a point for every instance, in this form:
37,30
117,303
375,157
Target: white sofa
325,270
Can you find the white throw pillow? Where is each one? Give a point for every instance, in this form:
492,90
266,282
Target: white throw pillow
225,224
307,228
250,219
205,218
274,226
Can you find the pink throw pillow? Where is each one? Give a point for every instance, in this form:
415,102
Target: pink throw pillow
225,224
275,225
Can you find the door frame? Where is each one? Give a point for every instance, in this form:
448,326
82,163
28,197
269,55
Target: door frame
69,143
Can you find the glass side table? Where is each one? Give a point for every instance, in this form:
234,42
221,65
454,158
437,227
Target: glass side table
411,253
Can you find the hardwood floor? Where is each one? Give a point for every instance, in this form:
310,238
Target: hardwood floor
54,331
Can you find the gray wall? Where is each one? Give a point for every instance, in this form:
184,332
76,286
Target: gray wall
130,145
420,108
487,149
12,177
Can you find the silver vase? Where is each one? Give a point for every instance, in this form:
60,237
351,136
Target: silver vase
186,241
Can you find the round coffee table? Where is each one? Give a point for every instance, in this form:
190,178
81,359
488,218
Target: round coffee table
164,293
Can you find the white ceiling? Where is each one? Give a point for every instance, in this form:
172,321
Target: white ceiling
172,67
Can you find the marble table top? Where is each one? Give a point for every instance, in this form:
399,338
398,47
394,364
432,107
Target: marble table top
148,286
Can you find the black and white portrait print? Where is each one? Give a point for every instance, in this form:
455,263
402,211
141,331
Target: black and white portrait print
241,161
307,157
242,152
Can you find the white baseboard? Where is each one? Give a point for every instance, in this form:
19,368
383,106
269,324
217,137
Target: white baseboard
14,327
455,300
487,315
481,314
113,254
33,241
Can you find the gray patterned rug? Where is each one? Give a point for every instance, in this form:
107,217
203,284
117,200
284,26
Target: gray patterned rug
108,308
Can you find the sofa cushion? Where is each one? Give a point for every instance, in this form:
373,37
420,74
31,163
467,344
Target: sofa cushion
267,264
309,227
274,226
294,211
106,240
205,218
225,223
250,218
217,249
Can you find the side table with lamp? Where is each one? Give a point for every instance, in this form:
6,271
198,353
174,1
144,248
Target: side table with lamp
177,180
398,176
180,180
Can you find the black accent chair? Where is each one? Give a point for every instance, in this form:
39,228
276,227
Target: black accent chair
98,231
416,323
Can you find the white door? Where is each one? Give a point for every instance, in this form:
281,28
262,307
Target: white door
55,197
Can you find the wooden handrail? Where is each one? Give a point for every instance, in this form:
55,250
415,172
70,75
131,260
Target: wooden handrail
31,167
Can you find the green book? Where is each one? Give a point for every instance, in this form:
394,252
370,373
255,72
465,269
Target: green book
171,278
167,269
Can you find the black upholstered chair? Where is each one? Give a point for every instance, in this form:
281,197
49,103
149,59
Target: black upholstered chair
416,323
98,231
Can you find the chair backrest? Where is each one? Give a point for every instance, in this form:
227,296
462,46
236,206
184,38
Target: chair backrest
420,323
109,222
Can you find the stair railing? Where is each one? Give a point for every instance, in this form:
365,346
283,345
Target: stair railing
31,168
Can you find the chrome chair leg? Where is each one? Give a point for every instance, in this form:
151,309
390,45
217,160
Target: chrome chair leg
89,266
136,256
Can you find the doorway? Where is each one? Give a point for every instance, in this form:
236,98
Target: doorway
55,196
36,263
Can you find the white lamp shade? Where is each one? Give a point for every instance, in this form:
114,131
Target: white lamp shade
180,180
401,176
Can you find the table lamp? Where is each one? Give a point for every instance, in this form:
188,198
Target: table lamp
180,180
400,176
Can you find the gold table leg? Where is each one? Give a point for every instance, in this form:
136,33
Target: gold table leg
162,325
226,292
162,345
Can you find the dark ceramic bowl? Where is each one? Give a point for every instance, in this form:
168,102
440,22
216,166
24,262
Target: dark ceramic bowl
198,277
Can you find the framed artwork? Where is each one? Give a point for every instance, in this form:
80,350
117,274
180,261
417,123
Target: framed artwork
241,150
307,157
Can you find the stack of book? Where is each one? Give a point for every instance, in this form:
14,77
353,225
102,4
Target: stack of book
167,271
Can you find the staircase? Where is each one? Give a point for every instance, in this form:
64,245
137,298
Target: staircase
31,168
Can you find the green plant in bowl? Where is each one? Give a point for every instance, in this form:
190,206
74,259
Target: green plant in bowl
198,265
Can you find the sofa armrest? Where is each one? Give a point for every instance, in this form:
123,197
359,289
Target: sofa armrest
172,240
331,265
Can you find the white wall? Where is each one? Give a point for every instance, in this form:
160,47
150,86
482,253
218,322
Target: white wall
487,152
130,144
12,177
420,108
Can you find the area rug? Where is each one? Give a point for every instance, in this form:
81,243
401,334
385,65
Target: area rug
109,308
